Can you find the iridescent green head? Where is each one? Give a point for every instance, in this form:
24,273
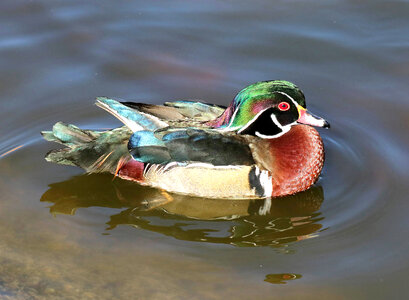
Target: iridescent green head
268,109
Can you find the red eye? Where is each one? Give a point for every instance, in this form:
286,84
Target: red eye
283,106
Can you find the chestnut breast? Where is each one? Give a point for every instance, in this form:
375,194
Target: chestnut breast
294,160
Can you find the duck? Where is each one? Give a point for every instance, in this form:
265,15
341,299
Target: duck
262,145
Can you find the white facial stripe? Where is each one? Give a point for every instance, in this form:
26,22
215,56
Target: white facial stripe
234,115
284,129
275,121
289,97
252,120
263,136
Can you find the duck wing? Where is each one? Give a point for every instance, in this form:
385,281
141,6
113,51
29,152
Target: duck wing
185,145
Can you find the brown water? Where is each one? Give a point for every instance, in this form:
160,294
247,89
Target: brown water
72,236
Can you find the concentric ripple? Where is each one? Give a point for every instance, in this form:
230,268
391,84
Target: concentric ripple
242,223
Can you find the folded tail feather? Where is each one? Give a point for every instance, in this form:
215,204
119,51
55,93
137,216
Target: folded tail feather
165,113
101,151
68,134
91,150
179,110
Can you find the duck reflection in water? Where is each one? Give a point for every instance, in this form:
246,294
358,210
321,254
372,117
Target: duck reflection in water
265,222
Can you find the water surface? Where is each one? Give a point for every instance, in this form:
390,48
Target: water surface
67,235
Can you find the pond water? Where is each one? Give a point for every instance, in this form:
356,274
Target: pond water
67,235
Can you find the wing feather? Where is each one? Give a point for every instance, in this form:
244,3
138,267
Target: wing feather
190,145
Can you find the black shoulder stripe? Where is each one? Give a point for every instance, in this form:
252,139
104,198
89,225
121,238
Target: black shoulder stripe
254,181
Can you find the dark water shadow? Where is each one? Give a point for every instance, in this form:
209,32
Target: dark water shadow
274,222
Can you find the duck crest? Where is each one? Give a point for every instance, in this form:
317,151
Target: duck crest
252,100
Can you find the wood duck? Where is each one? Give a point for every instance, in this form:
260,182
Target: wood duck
261,145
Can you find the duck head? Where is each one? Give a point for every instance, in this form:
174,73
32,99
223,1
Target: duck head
268,109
